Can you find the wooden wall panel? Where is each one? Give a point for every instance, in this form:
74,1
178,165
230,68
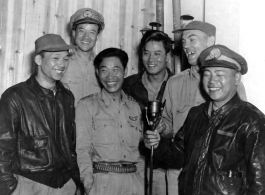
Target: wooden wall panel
23,21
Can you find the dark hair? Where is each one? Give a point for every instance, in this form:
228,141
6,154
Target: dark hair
156,35
111,52
153,35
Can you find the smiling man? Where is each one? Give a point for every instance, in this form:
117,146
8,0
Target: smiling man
183,90
149,85
86,25
37,128
220,147
109,131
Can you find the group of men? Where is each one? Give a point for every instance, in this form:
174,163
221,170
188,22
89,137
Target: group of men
75,126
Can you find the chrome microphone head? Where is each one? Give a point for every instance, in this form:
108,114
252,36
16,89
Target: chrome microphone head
154,107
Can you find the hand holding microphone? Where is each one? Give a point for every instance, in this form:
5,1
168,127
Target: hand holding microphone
154,112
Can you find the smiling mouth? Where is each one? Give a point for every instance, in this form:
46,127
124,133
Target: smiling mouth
58,71
151,65
190,53
110,84
214,88
85,42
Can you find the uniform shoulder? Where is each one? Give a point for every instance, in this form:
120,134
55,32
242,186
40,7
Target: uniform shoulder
251,110
90,98
180,75
178,78
15,89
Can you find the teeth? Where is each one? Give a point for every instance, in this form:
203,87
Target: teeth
111,83
58,71
214,89
85,42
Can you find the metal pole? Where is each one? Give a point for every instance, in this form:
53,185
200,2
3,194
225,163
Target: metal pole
160,13
176,6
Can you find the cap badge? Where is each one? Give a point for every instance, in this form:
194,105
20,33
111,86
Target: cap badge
215,53
87,13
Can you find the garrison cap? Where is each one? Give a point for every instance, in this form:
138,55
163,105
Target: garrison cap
51,42
87,15
205,27
221,56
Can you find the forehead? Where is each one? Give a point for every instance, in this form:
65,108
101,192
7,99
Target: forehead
154,46
88,26
187,33
110,62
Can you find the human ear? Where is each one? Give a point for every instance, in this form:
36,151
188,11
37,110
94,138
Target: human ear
38,59
210,41
126,71
238,78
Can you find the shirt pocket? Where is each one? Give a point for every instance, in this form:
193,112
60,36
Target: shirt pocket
135,132
104,131
34,153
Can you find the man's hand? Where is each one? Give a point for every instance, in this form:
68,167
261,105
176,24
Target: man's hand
152,138
161,127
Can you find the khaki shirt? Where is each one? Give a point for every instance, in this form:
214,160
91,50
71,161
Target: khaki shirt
106,132
182,92
152,92
81,77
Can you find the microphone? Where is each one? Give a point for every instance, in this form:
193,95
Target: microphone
154,111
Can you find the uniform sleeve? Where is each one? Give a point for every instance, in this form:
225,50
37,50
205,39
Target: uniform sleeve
255,158
84,144
8,131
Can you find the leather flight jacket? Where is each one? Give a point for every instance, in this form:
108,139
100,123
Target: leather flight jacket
219,154
37,135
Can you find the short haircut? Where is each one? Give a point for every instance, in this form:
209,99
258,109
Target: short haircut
111,52
156,35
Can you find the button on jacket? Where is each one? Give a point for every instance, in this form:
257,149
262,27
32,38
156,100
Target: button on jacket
81,77
37,135
107,132
220,154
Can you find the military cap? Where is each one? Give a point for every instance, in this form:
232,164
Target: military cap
51,42
205,27
87,15
221,56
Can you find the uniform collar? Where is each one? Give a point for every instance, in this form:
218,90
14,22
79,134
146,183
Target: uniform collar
146,82
138,77
42,92
76,55
195,74
108,100
225,109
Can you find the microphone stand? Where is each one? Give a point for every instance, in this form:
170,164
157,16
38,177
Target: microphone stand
153,124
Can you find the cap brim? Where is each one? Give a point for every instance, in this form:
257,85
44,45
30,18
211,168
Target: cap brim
59,48
86,20
64,48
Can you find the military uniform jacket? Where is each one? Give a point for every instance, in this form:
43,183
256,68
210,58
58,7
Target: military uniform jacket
220,154
107,132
